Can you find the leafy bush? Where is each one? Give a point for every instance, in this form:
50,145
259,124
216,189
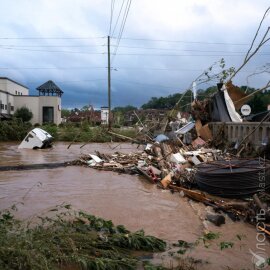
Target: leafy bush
51,129
14,130
23,113
17,130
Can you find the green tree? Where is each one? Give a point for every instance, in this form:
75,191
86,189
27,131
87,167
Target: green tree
119,118
65,113
24,113
125,109
258,101
85,108
168,102
207,93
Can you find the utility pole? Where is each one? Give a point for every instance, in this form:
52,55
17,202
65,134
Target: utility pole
109,85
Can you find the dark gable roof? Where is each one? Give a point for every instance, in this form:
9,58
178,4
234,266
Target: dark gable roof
50,86
6,78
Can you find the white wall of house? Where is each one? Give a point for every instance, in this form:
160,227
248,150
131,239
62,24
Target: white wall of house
50,101
3,102
36,103
6,103
30,102
12,87
14,96
8,89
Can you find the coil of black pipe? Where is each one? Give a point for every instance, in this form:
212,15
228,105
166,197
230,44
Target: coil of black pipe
234,178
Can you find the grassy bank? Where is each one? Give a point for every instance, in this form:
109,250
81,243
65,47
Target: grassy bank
16,130
70,238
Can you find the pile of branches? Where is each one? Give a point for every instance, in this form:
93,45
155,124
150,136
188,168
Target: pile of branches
70,239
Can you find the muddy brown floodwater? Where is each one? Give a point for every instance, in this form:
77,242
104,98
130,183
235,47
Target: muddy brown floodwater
125,199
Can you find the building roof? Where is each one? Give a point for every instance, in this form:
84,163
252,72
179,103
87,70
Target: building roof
6,78
50,87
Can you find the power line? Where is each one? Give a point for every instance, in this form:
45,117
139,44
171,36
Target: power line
180,50
189,55
164,69
130,54
147,84
57,38
121,46
38,68
118,17
185,41
111,18
32,50
62,82
126,38
156,68
122,27
45,46
113,68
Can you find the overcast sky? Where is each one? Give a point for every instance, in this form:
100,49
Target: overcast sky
165,45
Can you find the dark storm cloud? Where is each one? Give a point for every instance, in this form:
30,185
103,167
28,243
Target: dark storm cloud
79,67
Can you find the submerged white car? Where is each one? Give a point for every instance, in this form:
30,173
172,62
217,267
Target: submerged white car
36,138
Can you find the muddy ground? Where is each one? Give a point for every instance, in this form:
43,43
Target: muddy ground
125,199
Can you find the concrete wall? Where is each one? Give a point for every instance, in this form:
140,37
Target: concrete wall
13,87
36,103
3,102
6,103
237,131
30,102
8,89
50,101
14,96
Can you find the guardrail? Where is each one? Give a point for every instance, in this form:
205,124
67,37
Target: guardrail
237,131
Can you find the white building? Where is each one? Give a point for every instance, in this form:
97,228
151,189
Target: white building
46,107
105,115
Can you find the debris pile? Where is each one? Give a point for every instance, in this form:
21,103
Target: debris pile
181,157
159,162
190,171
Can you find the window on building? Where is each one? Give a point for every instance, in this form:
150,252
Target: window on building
16,92
12,108
2,106
5,106
48,114
21,94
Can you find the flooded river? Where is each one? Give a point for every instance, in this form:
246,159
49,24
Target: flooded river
125,199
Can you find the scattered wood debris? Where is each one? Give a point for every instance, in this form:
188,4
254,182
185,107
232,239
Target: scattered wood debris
172,166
